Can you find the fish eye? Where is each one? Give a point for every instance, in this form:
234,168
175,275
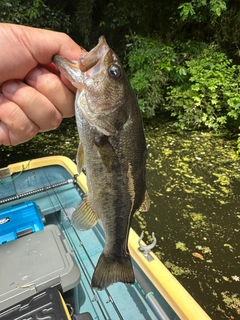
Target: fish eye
115,72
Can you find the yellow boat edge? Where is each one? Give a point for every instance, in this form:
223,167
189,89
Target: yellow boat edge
172,291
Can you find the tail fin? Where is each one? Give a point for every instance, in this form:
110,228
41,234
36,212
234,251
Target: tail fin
111,269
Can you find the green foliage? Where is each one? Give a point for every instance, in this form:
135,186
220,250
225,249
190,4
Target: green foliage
200,10
34,13
154,66
186,10
151,66
217,7
121,17
195,82
210,96
146,75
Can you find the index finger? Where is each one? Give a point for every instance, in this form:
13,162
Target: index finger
26,47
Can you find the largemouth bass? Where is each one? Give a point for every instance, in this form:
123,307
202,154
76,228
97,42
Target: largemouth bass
112,150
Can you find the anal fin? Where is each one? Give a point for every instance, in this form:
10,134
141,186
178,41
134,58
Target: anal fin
146,203
84,217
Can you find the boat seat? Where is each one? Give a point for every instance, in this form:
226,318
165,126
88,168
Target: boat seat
82,316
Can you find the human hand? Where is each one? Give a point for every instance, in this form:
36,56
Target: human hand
34,97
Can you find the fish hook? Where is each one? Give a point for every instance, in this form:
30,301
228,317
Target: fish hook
146,249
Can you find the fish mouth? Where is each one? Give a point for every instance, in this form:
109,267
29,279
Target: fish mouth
93,57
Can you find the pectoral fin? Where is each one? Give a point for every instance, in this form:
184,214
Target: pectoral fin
84,217
107,153
146,203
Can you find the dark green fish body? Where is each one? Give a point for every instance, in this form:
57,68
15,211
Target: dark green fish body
112,150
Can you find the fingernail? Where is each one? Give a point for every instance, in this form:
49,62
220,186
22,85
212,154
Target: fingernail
10,87
34,74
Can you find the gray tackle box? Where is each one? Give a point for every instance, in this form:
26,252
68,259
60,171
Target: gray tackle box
34,263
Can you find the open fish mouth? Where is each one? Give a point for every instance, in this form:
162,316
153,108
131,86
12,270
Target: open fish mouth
89,60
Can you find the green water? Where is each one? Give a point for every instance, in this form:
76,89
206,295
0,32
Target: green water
193,181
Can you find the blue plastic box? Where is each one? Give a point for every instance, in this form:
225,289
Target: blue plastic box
17,221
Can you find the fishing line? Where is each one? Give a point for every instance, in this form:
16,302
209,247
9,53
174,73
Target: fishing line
12,179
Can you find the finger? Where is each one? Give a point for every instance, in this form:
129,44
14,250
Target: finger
35,105
53,69
36,46
51,86
15,126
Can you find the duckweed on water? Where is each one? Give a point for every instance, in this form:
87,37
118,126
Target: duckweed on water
177,270
181,246
232,300
193,182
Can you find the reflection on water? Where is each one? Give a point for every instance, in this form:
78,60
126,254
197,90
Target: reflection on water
193,182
